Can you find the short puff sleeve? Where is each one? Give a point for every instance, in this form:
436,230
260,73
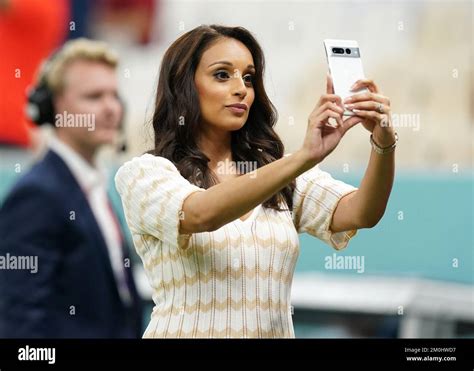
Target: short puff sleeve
153,192
314,201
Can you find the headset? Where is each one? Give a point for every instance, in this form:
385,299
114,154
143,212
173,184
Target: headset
40,106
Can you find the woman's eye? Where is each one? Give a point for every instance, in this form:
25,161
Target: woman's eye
220,74
249,78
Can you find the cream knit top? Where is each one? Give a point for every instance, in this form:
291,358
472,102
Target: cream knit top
232,282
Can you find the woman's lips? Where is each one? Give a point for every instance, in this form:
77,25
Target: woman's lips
236,110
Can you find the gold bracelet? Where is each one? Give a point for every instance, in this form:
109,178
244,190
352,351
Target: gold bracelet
383,150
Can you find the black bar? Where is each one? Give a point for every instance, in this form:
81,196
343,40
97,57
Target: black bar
74,352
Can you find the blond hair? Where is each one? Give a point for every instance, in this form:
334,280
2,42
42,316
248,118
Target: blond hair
52,72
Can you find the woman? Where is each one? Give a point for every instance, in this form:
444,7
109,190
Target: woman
220,247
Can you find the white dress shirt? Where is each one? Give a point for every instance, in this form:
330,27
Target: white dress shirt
93,182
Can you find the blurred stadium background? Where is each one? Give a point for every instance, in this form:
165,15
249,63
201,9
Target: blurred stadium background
417,277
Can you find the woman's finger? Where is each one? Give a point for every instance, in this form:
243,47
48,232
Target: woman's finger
369,106
329,84
371,115
324,116
330,105
336,114
331,98
365,83
367,96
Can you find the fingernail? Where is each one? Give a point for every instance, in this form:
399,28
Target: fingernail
350,106
348,99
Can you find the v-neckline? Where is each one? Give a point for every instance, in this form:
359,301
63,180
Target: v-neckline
251,217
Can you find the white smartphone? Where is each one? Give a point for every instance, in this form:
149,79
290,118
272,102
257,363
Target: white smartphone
345,67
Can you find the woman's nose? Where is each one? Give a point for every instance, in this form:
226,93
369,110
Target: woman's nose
239,84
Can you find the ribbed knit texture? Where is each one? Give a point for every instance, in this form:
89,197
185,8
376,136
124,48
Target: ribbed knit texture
232,282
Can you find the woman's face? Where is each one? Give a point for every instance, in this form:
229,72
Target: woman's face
224,77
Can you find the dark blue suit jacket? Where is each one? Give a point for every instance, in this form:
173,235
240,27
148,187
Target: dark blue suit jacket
74,293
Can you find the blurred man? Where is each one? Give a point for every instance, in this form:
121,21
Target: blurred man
64,267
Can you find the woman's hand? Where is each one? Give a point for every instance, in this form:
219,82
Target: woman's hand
374,108
322,136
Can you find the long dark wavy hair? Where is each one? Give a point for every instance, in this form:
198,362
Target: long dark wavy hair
177,102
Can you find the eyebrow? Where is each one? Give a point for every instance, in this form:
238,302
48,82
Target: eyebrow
229,64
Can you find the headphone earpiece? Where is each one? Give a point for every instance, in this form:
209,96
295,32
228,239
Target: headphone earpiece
40,108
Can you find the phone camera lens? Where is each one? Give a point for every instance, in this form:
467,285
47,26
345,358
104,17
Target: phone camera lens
348,51
338,50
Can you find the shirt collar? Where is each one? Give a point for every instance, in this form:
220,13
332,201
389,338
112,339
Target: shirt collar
87,176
